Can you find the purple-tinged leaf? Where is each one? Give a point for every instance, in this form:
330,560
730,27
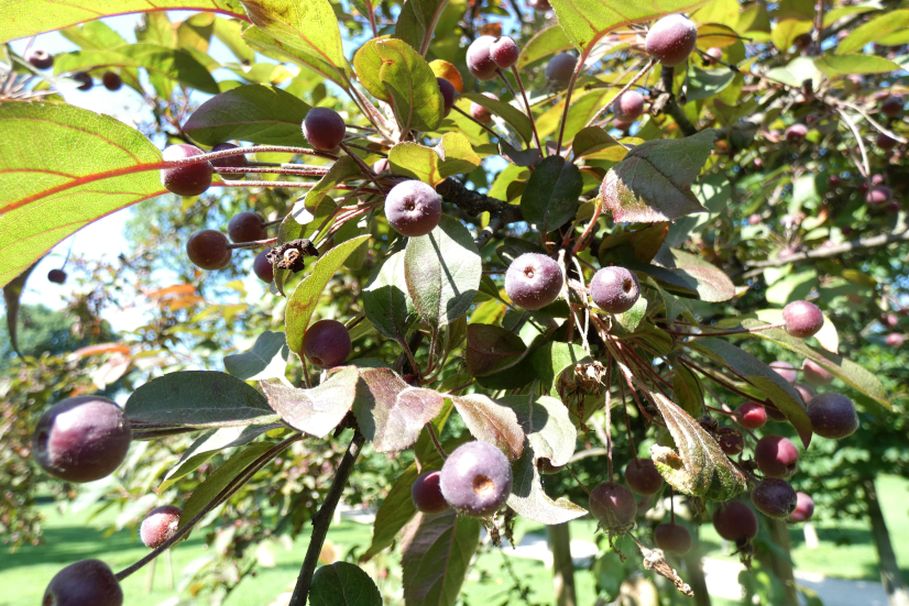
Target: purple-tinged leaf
491,422
318,410
437,549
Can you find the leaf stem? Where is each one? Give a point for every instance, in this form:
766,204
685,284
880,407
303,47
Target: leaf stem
571,82
533,122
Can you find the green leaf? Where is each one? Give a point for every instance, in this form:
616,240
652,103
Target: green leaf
687,390
452,155
318,410
491,348
543,45
266,360
443,271
393,514
23,18
653,182
391,70
698,466
875,30
340,170
456,155
386,301
843,65
692,274
551,359
436,552
586,21
529,500
631,319
343,584
255,113
551,197
592,139
491,422
417,21
306,32
796,72
785,32
11,294
196,398
47,192
305,298
513,116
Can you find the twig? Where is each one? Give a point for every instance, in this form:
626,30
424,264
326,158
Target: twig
475,203
533,122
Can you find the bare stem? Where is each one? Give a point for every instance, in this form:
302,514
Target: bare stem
533,122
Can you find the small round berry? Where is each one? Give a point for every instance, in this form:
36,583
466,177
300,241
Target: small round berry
327,343
671,39
382,165
448,92
40,59
752,415
833,416
540,5
111,81
413,208
560,68
630,105
160,525
81,439
734,521
84,583
816,374
895,339
713,55
885,142
533,281
479,60
614,289
185,179
57,276
426,493
263,268
504,52
796,132
481,113
802,318
208,249
878,196
891,106
805,392
774,498
324,129
776,456
247,226
672,538
804,508
83,80
613,506
787,371
642,476
730,440
238,161
476,479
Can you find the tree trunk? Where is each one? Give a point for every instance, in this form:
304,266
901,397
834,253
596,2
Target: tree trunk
562,564
897,591
783,566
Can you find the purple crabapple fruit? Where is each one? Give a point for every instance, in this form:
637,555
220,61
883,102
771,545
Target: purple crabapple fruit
238,161
891,106
885,142
671,39
476,479
613,505
186,179
160,525
832,416
57,276
735,521
533,281
540,5
730,440
208,249
111,81
796,132
40,59
776,456
263,268
642,476
481,113
713,55
324,129
614,289
672,538
878,196
560,68
427,493
84,80
630,105
773,412
448,92
247,226
786,370
774,498
504,52
815,374
805,392
895,339
479,59
81,439
413,208
802,319
84,583
804,508
327,343
382,165
751,415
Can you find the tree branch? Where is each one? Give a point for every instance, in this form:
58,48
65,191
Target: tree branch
666,102
322,520
474,203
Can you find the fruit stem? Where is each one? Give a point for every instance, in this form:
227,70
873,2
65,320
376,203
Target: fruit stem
731,331
434,436
253,243
533,122
302,171
571,82
622,91
364,168
322,520
472,119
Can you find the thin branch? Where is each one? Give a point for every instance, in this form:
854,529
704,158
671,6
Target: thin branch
475,203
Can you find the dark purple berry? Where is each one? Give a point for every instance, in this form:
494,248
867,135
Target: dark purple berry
413,208
324,129
57,276
614,289
776,456
111,80
238,161
671,39
533,281
630,105
479,60
160,525
642,476
805,392
816,374
263,268
885,142
448,92
208,249
802,318
40,59
796,132
247,226
613,506
804,508
426,493
85,583
891,106
560,68
476,479
83,80
672,538
774,498
186,179
504,52
878,196
786,370
832,416
81,439
752,415
327,343
734,521
730,440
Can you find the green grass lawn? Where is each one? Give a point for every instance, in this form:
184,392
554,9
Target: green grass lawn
845,551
